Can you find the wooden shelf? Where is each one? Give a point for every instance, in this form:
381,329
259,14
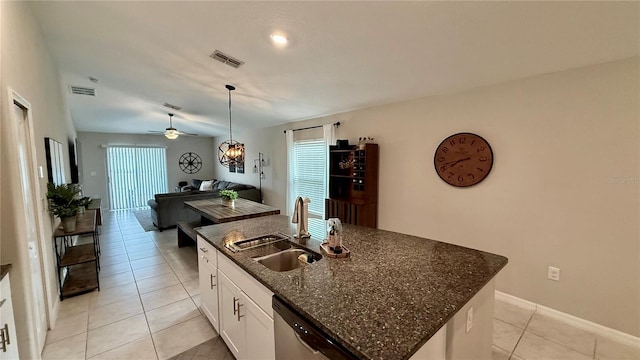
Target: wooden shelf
80,279
341,176
78,254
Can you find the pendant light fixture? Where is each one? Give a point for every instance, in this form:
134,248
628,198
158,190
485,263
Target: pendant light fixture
230,152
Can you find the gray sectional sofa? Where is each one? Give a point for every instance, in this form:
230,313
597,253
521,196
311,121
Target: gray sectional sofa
168,209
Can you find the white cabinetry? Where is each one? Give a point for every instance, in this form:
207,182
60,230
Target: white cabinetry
208,275
246,317
8,341
231,321
258,330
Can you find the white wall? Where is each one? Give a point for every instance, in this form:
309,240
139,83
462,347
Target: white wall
29,70
563,191
93,158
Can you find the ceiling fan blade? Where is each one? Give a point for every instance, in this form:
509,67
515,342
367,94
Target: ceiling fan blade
186,133
155,132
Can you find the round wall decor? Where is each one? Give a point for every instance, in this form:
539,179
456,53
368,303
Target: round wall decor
463,159
190,163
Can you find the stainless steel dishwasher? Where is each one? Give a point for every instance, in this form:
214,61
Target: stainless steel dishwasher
296,338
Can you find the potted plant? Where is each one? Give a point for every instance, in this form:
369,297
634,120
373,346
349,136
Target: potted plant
228,197
64,204
83,203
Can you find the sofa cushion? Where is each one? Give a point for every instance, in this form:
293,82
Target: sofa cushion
206,185
238,187
152,204
220,185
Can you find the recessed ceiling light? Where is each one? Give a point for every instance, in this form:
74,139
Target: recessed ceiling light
279,39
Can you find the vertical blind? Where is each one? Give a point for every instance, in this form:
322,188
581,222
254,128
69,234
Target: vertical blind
136,174
308,177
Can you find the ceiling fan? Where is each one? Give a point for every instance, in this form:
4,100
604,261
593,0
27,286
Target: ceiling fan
171,132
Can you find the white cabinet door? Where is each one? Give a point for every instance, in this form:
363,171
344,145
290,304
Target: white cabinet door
258,331
10,351
209,291
231,324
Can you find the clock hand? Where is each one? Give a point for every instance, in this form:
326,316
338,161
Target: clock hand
453,163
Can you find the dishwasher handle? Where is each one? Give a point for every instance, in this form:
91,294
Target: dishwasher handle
313,351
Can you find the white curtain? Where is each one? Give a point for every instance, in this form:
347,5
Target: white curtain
329,132
290,168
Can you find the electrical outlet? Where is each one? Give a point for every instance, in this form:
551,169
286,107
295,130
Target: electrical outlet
553,273
469,319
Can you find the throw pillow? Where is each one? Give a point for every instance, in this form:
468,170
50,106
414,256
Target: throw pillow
195,183
206,185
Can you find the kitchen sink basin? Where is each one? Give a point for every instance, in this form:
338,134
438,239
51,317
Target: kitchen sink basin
287,259
262,240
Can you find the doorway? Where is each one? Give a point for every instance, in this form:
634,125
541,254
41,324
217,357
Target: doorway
20,111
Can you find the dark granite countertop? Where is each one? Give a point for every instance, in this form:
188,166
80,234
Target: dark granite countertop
4,270
386,300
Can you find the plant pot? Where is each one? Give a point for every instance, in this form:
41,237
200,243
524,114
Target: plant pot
229,203
69,224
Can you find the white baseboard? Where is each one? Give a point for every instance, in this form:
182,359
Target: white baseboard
575,321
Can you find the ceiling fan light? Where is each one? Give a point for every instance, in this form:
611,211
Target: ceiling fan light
171,134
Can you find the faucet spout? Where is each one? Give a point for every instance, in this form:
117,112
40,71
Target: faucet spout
301,217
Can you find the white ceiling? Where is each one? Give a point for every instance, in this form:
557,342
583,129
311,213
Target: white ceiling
342,55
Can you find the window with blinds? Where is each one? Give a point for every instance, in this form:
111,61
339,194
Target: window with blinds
136,174
308,177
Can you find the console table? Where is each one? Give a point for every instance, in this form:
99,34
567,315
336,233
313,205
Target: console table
96,204
82,262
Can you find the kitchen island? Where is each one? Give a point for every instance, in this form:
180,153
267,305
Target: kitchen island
385,301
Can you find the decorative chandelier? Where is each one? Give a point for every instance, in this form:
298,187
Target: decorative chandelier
230,152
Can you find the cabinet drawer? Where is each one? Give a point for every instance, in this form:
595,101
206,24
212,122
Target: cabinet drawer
250,286
206,252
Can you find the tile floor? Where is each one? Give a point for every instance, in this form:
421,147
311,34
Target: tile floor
520,333
147,308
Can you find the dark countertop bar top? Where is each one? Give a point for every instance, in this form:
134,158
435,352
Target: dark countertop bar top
4,270
386,300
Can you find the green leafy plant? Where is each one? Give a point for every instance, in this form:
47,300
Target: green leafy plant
84,202
228,194
63,201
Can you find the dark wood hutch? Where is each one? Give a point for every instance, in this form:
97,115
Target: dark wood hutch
353,185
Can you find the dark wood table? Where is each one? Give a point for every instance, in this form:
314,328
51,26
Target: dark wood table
212,211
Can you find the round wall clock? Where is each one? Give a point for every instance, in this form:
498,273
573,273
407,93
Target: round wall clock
190,163
463,159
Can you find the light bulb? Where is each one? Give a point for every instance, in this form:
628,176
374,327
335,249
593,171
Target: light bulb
279,39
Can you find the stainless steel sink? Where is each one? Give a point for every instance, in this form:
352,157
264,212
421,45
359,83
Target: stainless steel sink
287,259
246,244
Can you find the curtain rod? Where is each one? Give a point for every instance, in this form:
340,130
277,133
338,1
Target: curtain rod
336,124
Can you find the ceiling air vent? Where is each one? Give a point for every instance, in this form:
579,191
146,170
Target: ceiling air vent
79,90
171,106
226,59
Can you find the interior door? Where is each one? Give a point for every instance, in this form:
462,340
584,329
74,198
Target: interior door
28,184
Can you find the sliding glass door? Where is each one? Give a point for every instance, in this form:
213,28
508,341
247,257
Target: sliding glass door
136,174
